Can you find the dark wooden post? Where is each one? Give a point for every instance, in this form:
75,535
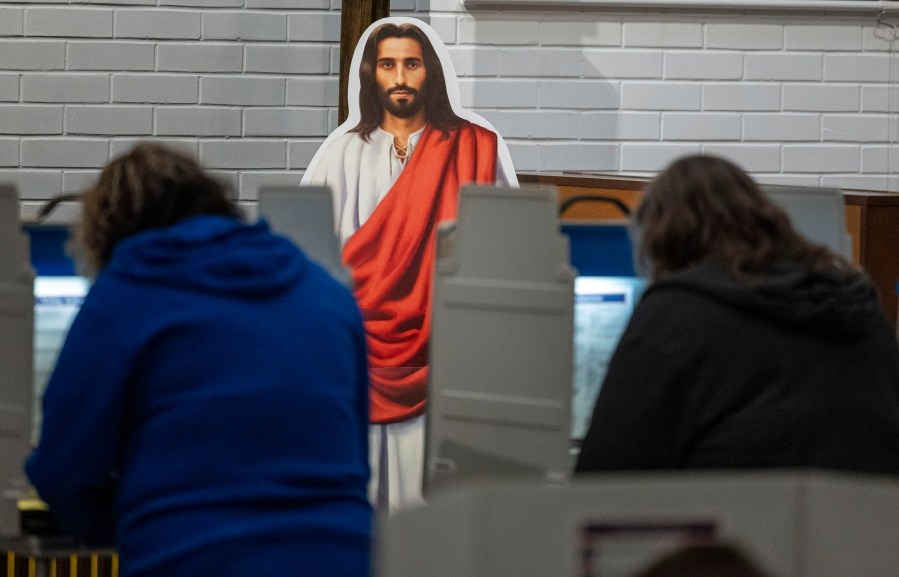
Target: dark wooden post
355,17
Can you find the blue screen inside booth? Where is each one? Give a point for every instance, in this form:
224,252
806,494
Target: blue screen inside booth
606,291
58,295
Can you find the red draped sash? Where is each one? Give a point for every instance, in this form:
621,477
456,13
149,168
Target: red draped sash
392,260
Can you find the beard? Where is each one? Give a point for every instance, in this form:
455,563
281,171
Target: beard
402,108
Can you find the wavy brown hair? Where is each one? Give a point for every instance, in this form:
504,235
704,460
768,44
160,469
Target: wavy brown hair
150,187
438,110
706,209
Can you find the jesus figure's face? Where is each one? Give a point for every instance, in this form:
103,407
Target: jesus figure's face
401,75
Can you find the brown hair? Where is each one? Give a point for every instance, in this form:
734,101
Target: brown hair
438,110
150,187
706,209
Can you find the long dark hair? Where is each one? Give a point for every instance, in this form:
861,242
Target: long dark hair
150,187
438,110
706,209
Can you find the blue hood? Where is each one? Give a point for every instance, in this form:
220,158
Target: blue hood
211,254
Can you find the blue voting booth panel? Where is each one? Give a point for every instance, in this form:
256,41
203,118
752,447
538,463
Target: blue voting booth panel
48,250
600,249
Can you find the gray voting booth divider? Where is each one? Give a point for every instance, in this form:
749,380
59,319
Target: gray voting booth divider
500,387
793,524
817,213
305,214
16,357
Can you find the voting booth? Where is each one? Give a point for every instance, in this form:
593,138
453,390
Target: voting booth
16,355
499,398
305,215
818,213
792,523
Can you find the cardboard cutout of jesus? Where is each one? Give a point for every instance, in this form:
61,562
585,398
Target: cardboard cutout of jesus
395,168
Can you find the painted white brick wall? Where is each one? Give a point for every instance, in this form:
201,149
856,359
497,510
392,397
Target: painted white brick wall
74,180
703,66
113,56
870,67
821,158
536,124
102,120
321,91
700,126
288,59
781,127
620,125
9,152
578,95
539,63
300,152
741,96
484,93
314,27
653,156
197,121
76,22
157,24
752,157
69,152
794,97
822,38
876,158
743,35
243,153
245,26
663,34
243,90
32,55
206,57
474,60
876,98
9,87
658,95
612,63
156,88
595,33
783,66
250,87
827,97
68,88
25,119
11,21
285,122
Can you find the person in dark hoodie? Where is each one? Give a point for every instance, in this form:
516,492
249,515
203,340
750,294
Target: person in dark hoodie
208,414
751,347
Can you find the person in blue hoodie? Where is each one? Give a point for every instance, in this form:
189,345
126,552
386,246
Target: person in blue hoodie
751,347
208,414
